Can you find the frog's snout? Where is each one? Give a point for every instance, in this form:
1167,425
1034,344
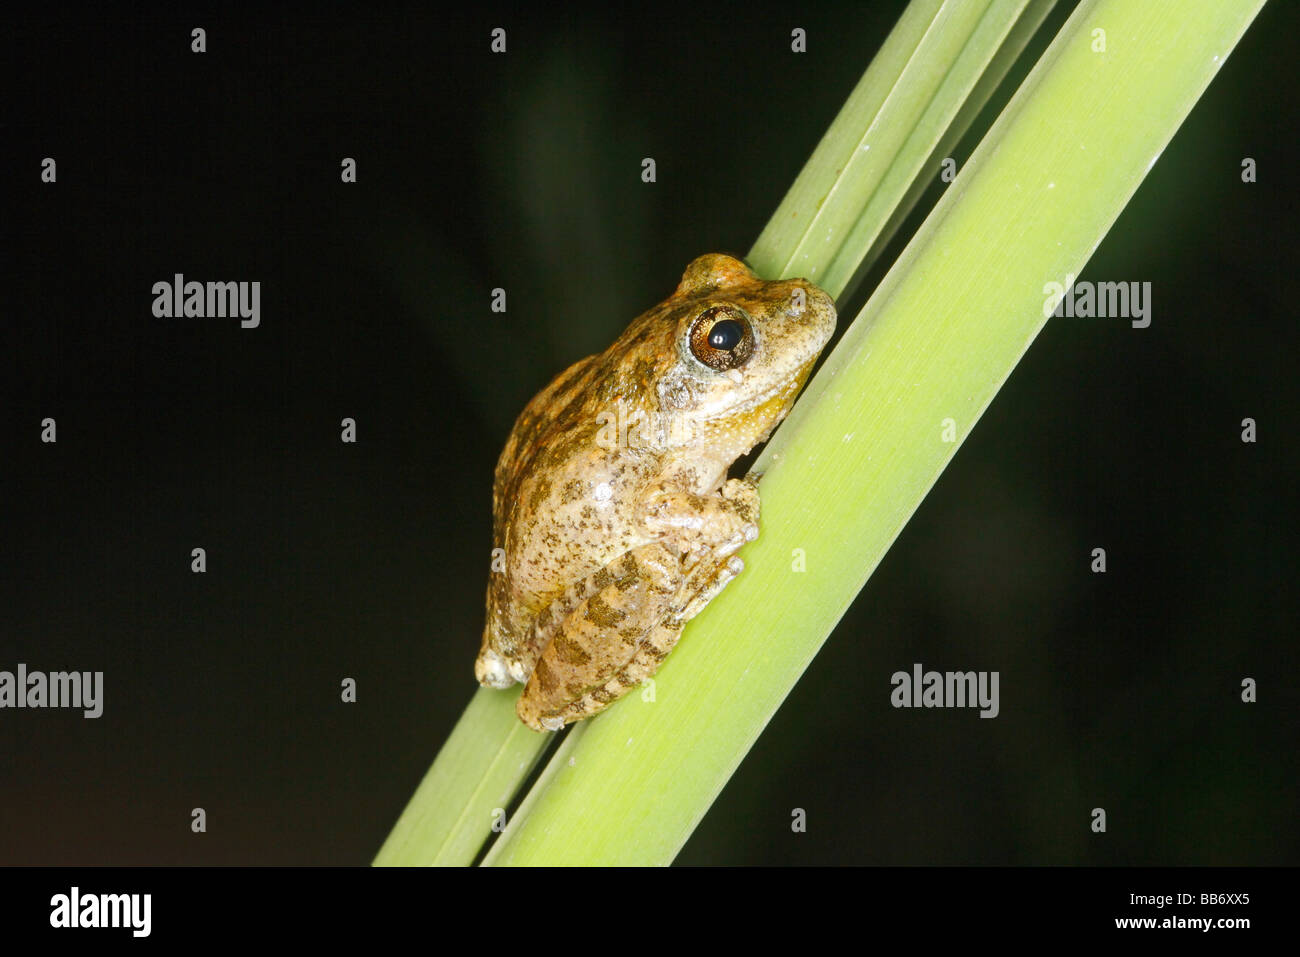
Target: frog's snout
815,306
819,298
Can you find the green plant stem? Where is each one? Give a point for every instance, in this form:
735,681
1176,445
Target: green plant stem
452,811
939,66
906,96
868,440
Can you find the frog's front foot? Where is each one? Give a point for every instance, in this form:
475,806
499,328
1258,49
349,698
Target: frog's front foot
744,535
721,521
742,494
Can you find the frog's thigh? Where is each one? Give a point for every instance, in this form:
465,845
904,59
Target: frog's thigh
551,618
649,656
702,584
601,634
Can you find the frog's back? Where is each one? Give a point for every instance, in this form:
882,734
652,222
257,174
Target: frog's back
564,488
556,504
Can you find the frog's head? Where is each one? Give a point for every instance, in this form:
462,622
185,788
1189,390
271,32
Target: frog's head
743,348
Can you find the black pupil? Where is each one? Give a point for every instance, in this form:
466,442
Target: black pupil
726,335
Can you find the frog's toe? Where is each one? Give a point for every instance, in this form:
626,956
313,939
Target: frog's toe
552,724
743,536
491,670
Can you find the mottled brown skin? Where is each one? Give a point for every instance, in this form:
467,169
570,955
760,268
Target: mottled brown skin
611,502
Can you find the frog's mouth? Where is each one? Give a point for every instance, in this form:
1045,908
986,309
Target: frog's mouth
776,401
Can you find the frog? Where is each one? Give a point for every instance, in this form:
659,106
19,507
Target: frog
614,519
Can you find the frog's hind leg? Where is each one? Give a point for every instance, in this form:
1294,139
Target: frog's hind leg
706,581
620,664
554,615
600,636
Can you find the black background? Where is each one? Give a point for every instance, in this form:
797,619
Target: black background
369,561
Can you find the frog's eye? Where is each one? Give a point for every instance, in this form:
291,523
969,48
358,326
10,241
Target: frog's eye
722,338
